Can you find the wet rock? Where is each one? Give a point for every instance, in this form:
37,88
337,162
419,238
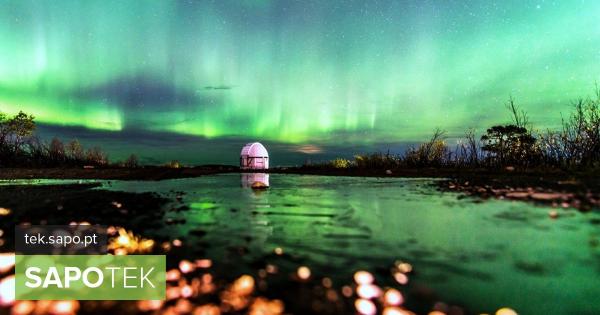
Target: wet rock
498,192
517,194
544,196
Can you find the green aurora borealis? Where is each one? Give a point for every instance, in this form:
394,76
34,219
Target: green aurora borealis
319,73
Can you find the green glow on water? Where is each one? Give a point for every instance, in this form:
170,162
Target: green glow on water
480,255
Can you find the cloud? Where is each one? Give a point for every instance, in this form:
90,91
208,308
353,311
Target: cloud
140,91
308,149
219,87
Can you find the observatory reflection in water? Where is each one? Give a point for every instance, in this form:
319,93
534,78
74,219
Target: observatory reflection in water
255,180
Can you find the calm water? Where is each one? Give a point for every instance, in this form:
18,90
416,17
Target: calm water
483,255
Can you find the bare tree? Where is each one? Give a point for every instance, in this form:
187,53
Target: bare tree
131,161
75,150
56,150
96,156
472,148
518,115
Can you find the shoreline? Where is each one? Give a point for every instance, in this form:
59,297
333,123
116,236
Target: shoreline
149,173
555,188
161,173
582,194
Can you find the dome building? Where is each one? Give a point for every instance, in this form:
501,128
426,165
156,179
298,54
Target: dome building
254,156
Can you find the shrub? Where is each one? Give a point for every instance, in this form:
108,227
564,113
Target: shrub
376,161
131,161
96,156
56,151
468,150
432,153
75,151
15,132
341,163
173,164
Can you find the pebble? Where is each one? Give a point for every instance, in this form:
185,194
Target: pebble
517,194
546,196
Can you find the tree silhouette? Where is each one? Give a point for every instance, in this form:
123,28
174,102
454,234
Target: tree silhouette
509,144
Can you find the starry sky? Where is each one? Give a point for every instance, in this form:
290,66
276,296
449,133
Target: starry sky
195,80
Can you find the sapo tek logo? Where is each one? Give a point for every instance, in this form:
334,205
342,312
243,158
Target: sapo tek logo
90,277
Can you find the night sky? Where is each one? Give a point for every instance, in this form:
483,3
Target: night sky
195,80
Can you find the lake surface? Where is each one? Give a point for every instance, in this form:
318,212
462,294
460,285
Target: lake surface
482,255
